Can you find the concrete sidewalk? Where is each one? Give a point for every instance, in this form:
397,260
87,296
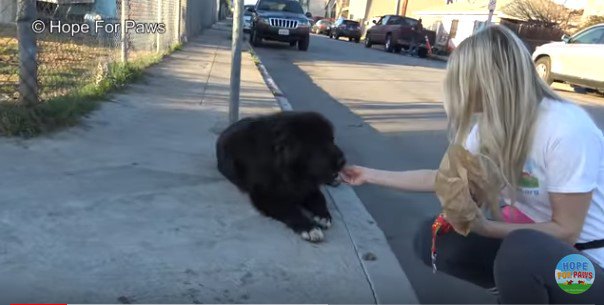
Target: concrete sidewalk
129,207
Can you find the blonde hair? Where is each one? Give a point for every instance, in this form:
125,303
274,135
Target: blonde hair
491,73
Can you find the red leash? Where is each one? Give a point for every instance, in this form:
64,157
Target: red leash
439,227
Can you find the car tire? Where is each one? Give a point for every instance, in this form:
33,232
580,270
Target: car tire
292,43
357,40
255,39
303,44
349,39
368,42
422,52
543,66
337,36
388,47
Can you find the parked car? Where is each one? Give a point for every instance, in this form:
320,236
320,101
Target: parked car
105,36
577,60
346,28
247,18
317,18
63,11
280,20
397,33
322,26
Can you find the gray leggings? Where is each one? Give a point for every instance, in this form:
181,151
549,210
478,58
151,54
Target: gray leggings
521,265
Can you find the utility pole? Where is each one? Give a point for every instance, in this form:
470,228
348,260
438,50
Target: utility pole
158,46
124,31
398,7
28,67
492,6
404,12
236,62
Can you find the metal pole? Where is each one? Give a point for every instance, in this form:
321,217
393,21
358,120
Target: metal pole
124,16
28,67
398,7
158,35
492,6
236,62
177,25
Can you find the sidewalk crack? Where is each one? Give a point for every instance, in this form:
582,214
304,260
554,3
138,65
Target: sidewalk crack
205,86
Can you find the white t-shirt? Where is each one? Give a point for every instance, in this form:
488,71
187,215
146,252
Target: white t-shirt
567,156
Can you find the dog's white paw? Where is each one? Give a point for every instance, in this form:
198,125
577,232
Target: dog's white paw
325,223
314,235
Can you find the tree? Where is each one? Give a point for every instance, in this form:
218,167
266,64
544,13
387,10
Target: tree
591,20
542,12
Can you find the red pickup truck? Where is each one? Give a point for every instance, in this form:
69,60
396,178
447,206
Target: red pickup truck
397,32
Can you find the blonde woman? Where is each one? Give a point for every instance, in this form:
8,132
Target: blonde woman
552,155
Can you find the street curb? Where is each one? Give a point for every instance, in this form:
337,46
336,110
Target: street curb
439,58
387,280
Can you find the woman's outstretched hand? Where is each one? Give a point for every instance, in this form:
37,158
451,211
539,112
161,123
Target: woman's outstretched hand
354,175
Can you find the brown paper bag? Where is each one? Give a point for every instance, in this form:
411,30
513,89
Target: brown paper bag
463,186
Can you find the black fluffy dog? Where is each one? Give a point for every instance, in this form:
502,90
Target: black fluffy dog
281,160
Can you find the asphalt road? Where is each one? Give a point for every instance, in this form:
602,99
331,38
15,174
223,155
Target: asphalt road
387,111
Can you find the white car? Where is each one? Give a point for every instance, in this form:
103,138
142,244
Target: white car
577,60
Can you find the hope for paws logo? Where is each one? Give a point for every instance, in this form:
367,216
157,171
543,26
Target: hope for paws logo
575,274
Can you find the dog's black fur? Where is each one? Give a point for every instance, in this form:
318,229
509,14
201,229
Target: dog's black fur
281,160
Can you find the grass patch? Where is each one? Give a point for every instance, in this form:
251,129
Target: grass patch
66,110
575,288
174,48
255,57
74,75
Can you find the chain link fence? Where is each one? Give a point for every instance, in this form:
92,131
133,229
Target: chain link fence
49,48
9,52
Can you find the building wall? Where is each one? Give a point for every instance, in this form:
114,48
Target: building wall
8,11
414,6
442,24
358,9
343,8
106,8
381,7
317,7
198,14
330,9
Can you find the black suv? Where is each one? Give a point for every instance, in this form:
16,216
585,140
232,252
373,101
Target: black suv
280,20
346,28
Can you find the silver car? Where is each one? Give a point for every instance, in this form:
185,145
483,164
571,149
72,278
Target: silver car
577,60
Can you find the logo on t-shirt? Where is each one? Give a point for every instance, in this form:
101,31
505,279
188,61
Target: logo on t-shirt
527,180
575,273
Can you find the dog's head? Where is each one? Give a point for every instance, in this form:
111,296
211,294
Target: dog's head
305,148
